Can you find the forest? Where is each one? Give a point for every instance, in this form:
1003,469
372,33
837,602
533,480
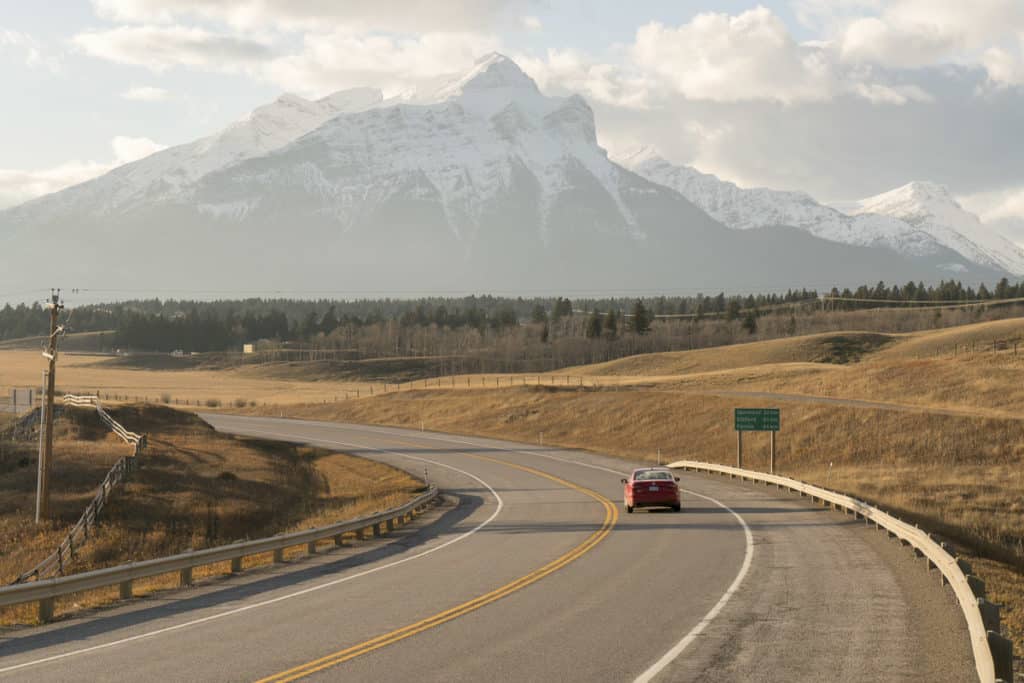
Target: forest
487,333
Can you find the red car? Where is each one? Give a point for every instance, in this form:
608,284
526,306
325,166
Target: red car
652,487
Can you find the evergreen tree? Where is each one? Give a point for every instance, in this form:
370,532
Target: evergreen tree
732,310
594,325
641,320
539,315
750,323
611,324
329,322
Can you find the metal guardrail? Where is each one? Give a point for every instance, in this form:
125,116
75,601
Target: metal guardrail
45,591
993,655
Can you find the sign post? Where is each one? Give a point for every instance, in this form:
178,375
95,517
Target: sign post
756,420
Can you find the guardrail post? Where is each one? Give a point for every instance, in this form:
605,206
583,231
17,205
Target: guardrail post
236,565
45,610
390,524
1002,656
278,555
989,614
977,585
364,533
339,540
125,588
311,548
185,576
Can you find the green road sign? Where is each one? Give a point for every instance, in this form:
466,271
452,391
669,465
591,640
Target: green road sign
757,419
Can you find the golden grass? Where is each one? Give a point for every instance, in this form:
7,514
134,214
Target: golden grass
816,348
941,342
87,374
195,488
960,476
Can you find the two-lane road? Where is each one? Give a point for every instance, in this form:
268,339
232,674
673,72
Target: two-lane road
536,574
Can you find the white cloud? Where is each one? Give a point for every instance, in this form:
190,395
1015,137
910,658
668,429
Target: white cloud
161,47
32,52
1004,68
128,149
726,58
717,58
919,33
384,15
341,59
145,93
574,71
898,95
17,186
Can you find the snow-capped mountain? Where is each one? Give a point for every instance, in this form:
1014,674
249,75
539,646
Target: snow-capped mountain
917,220
482,183
169,173
748,209
930,207
464,152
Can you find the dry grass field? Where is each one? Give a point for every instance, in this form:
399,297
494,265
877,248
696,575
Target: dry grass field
942,443
959,476
194,488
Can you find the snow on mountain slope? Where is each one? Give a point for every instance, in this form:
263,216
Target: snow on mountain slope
931,208
487,133
169,172
479,183
748,209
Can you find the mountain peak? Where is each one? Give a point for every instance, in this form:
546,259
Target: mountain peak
923,189
491,72
638,156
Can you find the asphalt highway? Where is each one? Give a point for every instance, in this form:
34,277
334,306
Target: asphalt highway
532,571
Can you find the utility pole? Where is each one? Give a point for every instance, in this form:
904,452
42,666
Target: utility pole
46,454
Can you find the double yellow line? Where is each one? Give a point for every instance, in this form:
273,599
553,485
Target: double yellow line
611,516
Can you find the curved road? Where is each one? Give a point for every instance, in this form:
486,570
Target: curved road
532,572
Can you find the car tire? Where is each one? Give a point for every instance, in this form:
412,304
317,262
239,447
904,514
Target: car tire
677,508
629,509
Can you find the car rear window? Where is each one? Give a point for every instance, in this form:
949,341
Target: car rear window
649,475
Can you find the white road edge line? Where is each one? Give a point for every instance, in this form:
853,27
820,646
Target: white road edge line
280,598
688,639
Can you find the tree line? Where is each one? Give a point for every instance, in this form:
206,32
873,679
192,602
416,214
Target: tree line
539,331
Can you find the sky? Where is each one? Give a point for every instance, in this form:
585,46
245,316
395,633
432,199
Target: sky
839,98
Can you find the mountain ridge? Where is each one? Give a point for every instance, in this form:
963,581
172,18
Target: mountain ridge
917,219
484,184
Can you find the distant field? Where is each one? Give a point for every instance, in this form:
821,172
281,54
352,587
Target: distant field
960,475
76,342
195,488
941,441
819,348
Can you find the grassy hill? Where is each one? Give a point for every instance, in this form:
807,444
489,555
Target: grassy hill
194,488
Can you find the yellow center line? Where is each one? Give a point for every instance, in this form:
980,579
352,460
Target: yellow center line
341,656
